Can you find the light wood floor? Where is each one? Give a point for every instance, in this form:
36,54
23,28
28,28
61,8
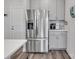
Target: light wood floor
50,55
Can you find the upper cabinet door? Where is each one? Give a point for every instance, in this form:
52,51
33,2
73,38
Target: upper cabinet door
44,4
20,4
51,6
52,9
60,9
16,4
34,4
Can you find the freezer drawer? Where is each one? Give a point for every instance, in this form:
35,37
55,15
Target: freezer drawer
57,40
37,46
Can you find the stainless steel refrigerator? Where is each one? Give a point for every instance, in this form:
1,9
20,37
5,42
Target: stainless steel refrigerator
37,30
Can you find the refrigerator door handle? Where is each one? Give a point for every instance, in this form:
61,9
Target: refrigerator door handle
36,31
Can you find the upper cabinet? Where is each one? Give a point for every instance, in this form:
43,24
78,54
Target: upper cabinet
34,4
52,9
44,4
60,9
16,4
55,7
39,4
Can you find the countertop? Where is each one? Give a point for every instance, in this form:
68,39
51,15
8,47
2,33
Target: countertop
11,46
59,30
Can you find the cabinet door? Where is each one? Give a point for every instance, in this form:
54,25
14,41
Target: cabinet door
16,4
62,40
52,9
6,6
60,9
17,23
53,42
44,4
19,4
57,40
35,4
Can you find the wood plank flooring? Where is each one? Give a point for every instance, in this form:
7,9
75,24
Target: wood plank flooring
50,55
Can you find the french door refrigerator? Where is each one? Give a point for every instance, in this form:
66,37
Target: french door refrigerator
37,30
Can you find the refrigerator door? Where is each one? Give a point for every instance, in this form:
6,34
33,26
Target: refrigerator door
42,23
30,24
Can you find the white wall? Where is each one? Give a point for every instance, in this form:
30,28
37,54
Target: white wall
71,28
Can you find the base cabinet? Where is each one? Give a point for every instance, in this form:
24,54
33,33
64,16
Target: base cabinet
57,40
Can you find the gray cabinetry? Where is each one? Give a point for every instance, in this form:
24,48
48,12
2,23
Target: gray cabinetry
55,7
60,9
57,40
52,9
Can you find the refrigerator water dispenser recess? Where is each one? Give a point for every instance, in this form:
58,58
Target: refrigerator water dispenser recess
30,26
